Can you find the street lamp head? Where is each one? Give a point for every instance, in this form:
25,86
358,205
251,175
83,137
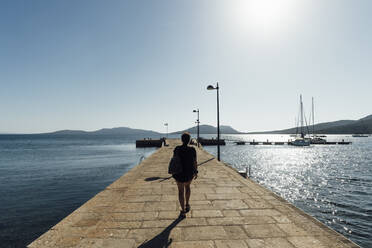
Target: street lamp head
194,111
210,87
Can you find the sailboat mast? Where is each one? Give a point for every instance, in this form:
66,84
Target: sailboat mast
302,117
312,109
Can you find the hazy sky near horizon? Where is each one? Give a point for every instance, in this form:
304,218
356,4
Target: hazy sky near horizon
90,64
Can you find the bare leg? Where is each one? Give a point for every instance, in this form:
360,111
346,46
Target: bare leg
188,192
181,195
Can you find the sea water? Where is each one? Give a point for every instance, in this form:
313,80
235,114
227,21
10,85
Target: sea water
44,178
332,183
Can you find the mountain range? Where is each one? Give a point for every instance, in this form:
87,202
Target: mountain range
204,129
361,126
108,131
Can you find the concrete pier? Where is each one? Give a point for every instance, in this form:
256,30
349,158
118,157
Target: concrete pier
149,143
140,209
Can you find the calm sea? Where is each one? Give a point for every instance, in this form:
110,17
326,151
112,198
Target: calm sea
332,183
45,178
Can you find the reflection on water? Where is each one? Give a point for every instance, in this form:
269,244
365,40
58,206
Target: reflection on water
333,183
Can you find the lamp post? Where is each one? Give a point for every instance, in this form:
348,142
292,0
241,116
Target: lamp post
166,124
197,121
211,87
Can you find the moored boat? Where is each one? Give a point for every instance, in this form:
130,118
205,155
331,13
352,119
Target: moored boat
300,141
240,142
360,135
317,140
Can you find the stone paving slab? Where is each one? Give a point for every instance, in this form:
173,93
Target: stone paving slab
141,209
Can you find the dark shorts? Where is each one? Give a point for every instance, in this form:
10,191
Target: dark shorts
183,178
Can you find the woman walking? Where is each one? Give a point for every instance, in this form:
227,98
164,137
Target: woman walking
187,156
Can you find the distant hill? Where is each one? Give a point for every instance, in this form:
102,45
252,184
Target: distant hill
208,129
109,131
124,131
68,132
361,126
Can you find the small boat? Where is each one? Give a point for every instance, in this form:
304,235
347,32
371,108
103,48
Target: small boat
300,142
331,143
360,135
344,142
240,142
318,141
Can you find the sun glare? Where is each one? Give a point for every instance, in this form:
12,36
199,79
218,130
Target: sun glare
264,17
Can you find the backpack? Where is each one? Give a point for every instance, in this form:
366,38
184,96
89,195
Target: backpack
175,165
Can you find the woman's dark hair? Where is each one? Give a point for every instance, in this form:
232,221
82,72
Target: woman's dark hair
185,138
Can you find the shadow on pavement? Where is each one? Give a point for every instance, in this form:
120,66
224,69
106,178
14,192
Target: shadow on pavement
149,179
162,239
206,161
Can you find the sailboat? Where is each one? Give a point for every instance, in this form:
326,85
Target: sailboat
315,139
301,141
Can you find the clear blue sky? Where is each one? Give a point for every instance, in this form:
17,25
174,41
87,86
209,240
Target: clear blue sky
90,64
